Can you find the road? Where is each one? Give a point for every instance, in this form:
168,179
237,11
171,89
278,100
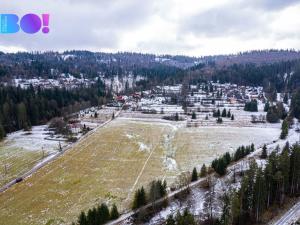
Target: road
171,195
54,156
290,216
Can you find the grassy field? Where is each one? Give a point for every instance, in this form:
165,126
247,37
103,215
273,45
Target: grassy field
21,150
16,161
202,145
110,164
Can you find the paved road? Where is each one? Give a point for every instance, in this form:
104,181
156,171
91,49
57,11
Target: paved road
54,156
290,216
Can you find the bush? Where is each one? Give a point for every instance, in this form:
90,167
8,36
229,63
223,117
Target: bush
219,120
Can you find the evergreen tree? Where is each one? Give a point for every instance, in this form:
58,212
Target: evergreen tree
170,220
251,106
284,129
219,120
218,113
286,98
114,214
224,114
194,116
2,132
139,198
103,213
203,171
232,117
176,116
267,106
264,153
229,114
82,219
259,195
194,175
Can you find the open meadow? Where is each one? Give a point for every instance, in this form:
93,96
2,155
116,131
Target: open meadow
111,163
22,150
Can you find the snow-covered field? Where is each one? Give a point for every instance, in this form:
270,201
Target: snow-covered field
114,161
21,150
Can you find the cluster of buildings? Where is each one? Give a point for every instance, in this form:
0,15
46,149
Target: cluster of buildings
200,98
62,81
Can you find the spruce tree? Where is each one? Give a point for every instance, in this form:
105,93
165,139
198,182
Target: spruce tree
218,113
232,117
2,132
139,198
267,106
284,129
203,171
229,114
194,116
194,175
114,213
224,113
104,212
264,153
82,219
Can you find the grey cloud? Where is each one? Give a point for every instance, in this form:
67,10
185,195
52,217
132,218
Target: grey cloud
224,21
270,4
74,25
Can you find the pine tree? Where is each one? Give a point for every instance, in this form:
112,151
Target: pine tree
103,212
232,117
284,129
139,198
286,98
226,214
176,116
2,132
267,106
82,219
252,147
203,171
219,120
194,175
218,113
259,195
229,114
224,113
264,153
114,213
194,116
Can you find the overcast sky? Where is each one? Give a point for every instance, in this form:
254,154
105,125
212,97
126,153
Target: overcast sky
189,27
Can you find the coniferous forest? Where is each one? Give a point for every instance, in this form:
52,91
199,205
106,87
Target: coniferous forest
23,108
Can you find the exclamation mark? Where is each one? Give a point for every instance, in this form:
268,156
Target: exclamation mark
45,23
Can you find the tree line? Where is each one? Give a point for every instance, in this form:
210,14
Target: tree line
220,164
157,190
98,215
23,108
262,188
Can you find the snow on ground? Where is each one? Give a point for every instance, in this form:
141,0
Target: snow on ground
170,163
35,140
195,200
143,147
